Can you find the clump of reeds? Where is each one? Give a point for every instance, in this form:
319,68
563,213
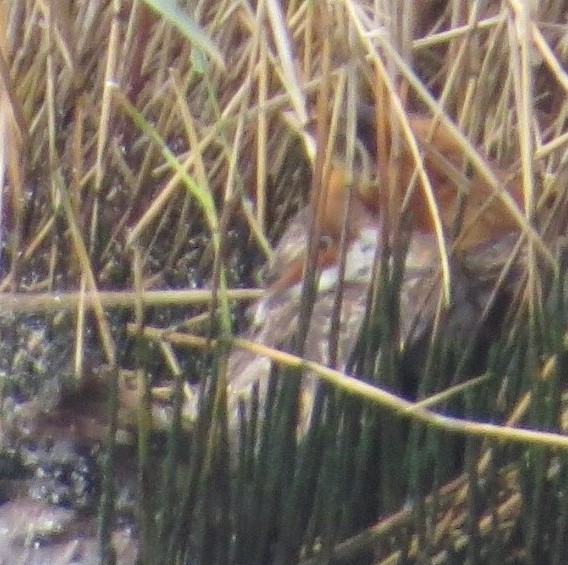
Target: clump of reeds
138,159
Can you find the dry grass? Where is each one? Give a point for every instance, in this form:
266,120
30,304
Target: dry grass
131,158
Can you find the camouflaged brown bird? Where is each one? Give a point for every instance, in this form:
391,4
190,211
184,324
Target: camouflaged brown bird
484,236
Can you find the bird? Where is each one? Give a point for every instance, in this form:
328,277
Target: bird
486,238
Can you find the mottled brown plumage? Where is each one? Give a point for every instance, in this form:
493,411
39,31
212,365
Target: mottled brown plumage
486,239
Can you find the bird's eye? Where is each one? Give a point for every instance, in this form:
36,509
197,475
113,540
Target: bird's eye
325,242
